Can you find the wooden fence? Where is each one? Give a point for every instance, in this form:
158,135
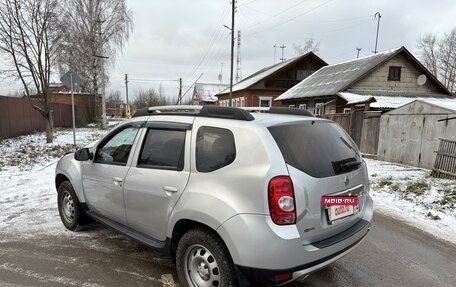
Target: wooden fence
363,127
445,161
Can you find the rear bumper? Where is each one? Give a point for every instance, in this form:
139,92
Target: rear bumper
273,277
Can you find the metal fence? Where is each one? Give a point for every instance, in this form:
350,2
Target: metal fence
445,161
18,117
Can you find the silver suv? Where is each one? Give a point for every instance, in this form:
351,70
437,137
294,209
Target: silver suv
234,197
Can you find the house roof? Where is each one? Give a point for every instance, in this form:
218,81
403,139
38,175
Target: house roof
269,71
448,103
336,78
208,91
393,102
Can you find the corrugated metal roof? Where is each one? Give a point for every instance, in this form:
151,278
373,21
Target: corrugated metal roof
334,78
449,104
264,73
393,102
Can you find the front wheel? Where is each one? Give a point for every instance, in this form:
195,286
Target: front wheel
70,210
202,260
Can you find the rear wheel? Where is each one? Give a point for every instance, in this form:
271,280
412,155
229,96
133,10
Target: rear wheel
70,209
202,260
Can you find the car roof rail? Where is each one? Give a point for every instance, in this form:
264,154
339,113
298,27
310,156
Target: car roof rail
290,111
280,110
200,111
225,113
172,109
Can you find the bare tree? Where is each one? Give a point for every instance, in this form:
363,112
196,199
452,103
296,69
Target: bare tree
150,98
447,60
427,48
309,45
94,32
439,56
114,99
28,39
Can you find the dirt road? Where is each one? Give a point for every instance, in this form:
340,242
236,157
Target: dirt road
393,254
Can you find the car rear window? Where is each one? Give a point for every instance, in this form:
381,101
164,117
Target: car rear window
318,148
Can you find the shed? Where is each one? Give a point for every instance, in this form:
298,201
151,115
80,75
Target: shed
410,134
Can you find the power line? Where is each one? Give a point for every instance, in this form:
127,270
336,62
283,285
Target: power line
212,39
293,18
274,16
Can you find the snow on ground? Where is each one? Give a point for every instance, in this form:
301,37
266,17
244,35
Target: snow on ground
28,199
412,196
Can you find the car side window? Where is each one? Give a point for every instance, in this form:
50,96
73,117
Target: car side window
215,148
117,149
163,149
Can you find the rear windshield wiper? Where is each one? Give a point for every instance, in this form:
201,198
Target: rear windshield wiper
350,164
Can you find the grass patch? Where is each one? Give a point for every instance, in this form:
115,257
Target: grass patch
417,187
396,187
385,182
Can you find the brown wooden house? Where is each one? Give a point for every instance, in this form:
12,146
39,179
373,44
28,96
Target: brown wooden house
261,88
381,82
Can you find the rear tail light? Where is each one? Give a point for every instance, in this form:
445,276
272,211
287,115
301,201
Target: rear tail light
281,200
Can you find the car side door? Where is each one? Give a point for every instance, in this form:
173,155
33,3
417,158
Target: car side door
155,182
103,178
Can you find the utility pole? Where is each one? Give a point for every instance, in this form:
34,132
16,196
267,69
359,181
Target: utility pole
275,52
357,55
283,48
238,63
98,51
377,16
180,92
127,106
233,8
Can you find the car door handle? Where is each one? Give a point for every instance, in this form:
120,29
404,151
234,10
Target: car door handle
117,180
169,189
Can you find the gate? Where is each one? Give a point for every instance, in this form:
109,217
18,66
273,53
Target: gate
445,161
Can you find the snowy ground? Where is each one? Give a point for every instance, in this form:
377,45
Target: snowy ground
411,195
28,198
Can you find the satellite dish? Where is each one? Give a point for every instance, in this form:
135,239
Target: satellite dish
421,80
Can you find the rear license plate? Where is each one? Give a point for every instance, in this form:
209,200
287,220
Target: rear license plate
336,212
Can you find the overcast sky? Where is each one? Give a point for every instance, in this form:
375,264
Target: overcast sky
183,38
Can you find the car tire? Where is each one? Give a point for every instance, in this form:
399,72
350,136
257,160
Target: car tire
71,213
202,260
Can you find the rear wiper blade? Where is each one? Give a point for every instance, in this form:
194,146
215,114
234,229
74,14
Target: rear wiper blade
350,164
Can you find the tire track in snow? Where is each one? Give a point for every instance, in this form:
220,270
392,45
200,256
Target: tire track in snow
45,277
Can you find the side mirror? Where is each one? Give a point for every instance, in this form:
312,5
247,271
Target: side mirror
83,155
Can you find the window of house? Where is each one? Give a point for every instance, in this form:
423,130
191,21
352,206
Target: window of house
347,110
265,101
242,102
394,73
320,109
116,149
215,148
303,106
163,149
291,106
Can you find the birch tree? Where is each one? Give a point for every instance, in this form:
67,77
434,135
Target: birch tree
439,56
28,38
427,52
93,35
